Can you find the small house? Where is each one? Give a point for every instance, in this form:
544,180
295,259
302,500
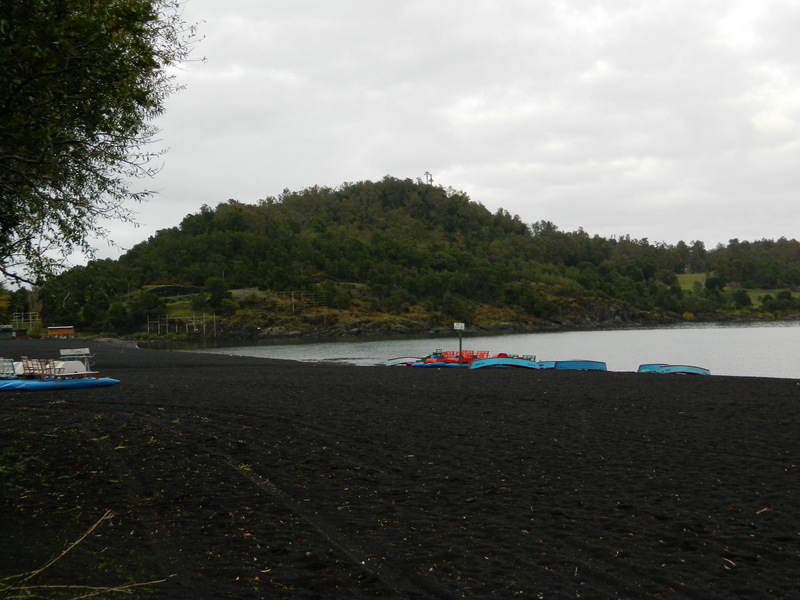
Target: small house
61,331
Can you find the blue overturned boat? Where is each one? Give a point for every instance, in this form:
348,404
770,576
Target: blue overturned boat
527,363
674,369
505,362
580,365
32,385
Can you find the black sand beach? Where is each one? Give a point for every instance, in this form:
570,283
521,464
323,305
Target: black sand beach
246,478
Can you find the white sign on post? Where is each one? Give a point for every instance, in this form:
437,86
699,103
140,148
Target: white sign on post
459,327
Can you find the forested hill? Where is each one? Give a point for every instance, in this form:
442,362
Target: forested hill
366,232
399,247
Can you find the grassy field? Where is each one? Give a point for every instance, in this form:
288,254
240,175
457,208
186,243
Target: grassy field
687,280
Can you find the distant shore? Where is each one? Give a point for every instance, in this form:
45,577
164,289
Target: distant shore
255,334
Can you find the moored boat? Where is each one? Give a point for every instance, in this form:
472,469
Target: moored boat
55,383
72,371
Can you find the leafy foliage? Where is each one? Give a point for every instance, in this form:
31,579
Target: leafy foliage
80,82
406,244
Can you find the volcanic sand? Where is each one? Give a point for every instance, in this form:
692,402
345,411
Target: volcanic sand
234,477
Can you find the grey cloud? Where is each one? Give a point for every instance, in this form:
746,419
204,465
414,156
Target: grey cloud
663,119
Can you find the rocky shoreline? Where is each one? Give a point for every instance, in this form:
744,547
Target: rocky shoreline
380,328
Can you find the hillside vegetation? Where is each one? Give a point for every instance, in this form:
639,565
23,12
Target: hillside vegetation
398,255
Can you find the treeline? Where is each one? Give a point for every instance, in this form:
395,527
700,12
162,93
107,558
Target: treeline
405,243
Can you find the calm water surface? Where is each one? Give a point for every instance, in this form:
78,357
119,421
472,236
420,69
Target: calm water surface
760,350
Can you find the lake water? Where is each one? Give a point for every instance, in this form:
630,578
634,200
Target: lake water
759,350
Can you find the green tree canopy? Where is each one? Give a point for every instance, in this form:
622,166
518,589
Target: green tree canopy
80,83
395,246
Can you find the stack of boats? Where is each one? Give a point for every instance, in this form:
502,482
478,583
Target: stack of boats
480,360
72,370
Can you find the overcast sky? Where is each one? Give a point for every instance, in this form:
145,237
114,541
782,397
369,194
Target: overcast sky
662,119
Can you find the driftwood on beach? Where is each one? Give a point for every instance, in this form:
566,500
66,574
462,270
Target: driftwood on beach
234,477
